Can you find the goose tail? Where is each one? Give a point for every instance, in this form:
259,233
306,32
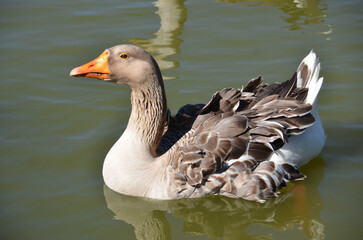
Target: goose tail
308,77
304,147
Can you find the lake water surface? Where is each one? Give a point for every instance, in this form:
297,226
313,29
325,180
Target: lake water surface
56,130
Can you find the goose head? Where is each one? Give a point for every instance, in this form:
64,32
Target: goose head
122,64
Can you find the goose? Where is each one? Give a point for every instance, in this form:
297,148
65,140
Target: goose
244,143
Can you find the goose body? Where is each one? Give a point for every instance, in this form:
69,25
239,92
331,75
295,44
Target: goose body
244,143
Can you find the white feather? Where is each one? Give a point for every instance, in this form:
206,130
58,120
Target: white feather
302,148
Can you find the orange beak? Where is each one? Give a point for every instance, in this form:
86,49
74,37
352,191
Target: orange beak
97,68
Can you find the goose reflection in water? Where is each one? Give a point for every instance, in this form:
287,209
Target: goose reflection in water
297,208
298,12
172,15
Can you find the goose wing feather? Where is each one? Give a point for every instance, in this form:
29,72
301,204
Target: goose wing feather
227,142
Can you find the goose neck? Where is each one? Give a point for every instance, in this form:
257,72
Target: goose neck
148,115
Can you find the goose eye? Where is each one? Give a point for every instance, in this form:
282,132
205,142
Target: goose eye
124,56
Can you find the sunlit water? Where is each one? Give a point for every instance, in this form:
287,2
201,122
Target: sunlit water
55,130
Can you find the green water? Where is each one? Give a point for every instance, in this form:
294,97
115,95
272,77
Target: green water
56,130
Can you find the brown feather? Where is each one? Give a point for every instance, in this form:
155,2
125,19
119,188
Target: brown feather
256,121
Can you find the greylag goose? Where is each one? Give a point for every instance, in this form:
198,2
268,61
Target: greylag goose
244,143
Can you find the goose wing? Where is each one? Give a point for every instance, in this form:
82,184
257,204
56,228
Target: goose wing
231,138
